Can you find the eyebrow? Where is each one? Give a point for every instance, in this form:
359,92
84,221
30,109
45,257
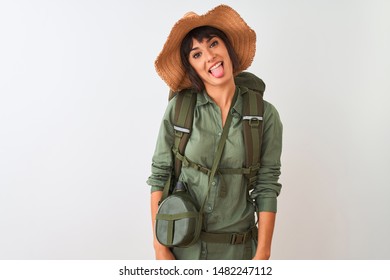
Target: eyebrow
208,40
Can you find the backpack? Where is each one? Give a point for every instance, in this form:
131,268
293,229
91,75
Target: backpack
253,110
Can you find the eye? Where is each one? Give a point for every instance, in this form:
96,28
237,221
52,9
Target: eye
214,43
196,55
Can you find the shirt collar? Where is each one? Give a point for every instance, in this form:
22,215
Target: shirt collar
204,98
237,107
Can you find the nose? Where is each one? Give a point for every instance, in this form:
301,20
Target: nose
210,55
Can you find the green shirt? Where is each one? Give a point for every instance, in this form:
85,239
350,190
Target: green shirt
232,211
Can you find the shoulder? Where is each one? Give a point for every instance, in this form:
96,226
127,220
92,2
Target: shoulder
270,109
179,103
271,115
170,109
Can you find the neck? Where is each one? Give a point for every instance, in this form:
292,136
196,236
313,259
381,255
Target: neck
222,95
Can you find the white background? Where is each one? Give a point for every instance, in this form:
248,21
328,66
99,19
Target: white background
81,104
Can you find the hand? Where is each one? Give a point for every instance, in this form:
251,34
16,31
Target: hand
164,253
261,256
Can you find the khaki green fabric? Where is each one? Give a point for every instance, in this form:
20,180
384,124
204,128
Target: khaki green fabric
232,211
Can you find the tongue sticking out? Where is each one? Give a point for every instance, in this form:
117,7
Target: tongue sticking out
217,72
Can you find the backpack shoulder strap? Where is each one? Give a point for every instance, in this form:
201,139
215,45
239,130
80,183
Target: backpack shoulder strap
253,110
182,125
184,114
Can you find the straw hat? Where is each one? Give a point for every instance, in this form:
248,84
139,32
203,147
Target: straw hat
243,39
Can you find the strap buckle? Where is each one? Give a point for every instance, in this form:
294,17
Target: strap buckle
179,134
238,238
254,168
254,121
202,169
185,162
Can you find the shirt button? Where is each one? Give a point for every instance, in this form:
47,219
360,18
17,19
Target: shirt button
213,183
219,133
209,208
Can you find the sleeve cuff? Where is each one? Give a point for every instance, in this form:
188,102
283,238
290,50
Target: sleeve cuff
156,188
266,204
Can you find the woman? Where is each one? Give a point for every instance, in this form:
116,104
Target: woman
206,53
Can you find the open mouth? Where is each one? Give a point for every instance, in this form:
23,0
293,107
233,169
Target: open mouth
217,70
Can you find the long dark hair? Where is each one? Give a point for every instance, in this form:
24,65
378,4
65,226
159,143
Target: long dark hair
199,34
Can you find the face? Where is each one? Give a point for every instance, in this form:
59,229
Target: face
211,61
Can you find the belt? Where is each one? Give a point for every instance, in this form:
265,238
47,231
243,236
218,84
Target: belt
230,238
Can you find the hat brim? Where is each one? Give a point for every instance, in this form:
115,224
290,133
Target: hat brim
243,39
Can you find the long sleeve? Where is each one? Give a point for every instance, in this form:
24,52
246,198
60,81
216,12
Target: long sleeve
162,158
267,186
